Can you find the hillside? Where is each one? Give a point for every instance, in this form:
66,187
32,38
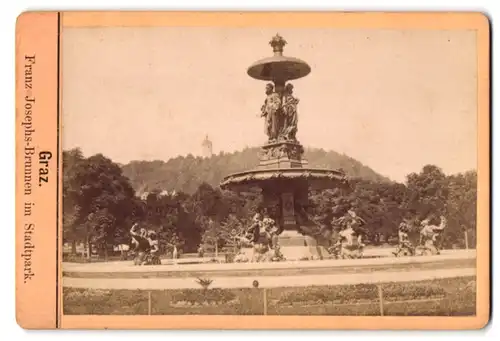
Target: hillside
186,173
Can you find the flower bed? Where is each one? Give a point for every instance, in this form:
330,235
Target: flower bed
202,297
341,294
396,291
361,292
99,302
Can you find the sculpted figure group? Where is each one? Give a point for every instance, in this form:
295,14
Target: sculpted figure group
428,236
280,113
263,237
349,244
145,246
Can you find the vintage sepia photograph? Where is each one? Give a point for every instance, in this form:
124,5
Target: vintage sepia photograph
216,170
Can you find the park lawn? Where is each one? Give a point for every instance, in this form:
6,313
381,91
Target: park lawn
440,297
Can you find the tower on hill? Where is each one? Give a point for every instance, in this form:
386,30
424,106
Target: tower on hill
206,147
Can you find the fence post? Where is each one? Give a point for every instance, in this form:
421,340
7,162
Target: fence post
381,299
466,235
149,302
265,300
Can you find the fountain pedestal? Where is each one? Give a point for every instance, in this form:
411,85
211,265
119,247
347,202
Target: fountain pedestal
295,246
283,175
285,154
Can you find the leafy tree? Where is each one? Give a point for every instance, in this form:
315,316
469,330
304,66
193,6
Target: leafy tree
100,230
219,235
167,215
242,205
428,192
72,218
209,202
461,209
392,210
97,199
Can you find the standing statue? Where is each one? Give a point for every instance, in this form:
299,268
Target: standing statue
430,233
290,116
271,111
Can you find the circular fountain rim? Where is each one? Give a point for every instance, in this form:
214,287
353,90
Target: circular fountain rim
272,174
289,169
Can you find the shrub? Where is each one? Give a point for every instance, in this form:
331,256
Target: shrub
204,282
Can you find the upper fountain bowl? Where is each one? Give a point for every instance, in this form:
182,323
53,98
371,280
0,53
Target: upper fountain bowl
278,67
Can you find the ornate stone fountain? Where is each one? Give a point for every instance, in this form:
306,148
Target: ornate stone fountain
283,175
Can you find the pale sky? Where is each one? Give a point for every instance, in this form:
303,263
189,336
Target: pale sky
394,100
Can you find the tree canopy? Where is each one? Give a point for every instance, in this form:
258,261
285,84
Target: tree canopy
97,199
100,204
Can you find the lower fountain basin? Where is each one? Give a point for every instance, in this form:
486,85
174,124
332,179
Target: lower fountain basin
316,178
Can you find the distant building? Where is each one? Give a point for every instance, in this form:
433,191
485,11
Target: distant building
206,147
164,193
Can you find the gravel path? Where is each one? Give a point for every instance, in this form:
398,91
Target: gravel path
266,281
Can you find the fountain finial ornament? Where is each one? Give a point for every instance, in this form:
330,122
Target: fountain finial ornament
277,43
